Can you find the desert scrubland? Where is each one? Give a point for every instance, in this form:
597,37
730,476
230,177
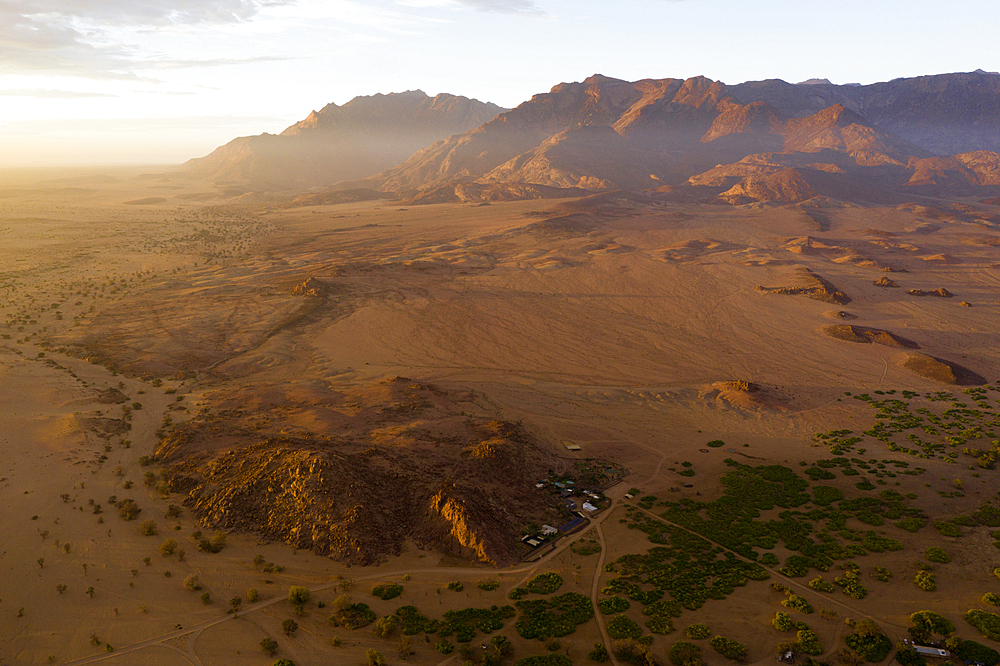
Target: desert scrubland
342,396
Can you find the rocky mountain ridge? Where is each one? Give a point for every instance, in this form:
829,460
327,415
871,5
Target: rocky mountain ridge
352,141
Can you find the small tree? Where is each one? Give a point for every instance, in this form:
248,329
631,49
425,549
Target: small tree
405,647
206,598
168,547
298,595
252,596
289,626
386,626
374,657
192,583
269,646
235,603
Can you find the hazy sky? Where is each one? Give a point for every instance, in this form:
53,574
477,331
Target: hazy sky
161,81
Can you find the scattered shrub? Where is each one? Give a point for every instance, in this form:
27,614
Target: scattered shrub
782,622
544,660
935,554
729,648
947,529
684,654
881,574
925,581
988,624
387,591
622,626
973,652
612,605
932,623
697,631
821,585
807,641
545,583
298,595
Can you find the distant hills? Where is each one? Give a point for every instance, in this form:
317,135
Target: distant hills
756,141
945,114
362,137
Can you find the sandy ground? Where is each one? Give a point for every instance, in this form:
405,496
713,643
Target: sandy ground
609,332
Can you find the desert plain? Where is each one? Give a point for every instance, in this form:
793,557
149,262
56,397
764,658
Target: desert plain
163,339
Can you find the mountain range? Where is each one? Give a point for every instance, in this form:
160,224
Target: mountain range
362,137
756,141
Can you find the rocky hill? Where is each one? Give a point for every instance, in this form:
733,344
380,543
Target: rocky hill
649,116
944,114
349,142
353,474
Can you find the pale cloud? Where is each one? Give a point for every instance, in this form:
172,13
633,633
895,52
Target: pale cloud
96,38
527,7
43,93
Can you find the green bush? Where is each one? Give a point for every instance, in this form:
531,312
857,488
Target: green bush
947,529
826,495
729,648
444,646
683,653
633,652
807,641
387,591
881,574
612,605
852,587
622,626
987,515
298,595
925,581
910,524
555,617
971,652
935,554
456,586
544,660
818,474
821,585
716,443
545,583
697,631
351,615
988,624
599,653
488,585
872,649
991,598
782,622
932,623
795,602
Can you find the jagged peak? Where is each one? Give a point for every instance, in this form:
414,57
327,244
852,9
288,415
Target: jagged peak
838,115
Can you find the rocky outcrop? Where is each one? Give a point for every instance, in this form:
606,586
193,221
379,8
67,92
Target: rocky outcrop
939,370
403,465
